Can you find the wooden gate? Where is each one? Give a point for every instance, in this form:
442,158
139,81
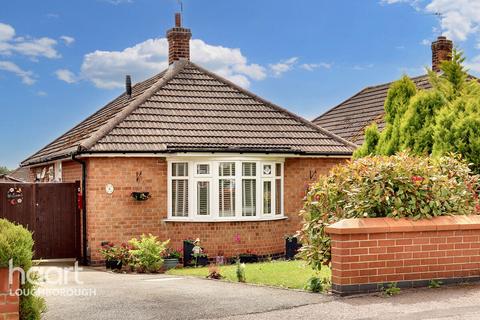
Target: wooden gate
50,211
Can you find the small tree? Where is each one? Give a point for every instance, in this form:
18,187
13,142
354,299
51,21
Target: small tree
4,170
437,121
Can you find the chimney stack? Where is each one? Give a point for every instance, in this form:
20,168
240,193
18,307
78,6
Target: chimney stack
441,51
178,41
128,85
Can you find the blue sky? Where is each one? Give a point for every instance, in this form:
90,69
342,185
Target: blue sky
62,60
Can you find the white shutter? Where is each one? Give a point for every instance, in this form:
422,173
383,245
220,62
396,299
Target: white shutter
203,198
267,197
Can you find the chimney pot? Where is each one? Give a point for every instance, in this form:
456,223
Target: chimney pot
441,51
128,85
178,20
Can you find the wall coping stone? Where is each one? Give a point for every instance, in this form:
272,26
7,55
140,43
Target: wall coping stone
386,225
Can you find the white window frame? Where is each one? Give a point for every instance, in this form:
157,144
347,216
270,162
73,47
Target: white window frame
214,178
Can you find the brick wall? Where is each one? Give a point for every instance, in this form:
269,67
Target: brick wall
118,218
9,303
71,171
370,253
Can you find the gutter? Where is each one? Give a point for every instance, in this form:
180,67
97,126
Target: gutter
84,207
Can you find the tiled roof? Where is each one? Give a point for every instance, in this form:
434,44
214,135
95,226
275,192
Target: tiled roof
187,108
350,118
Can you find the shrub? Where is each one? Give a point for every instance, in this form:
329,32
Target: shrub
147,252
16,243
314,284
396,186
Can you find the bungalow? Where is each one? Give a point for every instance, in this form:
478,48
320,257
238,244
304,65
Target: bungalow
217,162
350,118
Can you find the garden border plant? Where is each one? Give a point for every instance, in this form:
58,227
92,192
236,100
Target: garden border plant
399,186
16,244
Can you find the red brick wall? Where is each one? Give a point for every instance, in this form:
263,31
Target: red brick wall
71,171
118,218
9,303
368,253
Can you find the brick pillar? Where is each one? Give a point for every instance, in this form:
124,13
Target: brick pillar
441,51
178,41
9,302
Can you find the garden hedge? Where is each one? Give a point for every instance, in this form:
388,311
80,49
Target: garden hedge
399,186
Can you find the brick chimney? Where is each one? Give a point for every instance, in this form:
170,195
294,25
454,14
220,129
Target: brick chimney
441,51
178,41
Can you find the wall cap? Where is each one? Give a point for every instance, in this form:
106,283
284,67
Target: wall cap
386,225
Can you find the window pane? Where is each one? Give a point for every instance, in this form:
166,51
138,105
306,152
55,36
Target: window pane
267,197
278,196
249,196
278,169
249,169
226,169
180,169
226,198
180,198
203,198
203,169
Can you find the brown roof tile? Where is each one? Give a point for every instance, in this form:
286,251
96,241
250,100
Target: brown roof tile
187,108
350,118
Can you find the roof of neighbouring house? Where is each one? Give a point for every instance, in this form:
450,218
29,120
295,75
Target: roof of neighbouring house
20,174
187,108
350,118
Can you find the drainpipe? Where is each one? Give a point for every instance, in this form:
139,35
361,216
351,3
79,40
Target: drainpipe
84,207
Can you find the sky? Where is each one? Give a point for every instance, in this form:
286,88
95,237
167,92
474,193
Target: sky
60,61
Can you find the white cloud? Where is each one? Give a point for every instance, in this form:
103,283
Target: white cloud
283,66
67,40
6,32
425,42
41,93
360,67
313,66
52,15
458,18
66,75
117,2
26,76
27,46
107,69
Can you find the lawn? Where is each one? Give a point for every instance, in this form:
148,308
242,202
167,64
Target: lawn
286,274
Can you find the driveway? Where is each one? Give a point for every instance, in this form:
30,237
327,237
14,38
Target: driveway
118,296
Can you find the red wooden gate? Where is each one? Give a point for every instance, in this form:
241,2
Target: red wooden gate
50,211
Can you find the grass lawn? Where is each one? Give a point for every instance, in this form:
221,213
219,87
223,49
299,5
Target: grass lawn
286,274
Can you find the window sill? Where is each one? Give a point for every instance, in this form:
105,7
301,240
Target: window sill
224,220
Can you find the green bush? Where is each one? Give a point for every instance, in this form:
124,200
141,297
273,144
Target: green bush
16,244
147,253
396,186
314,284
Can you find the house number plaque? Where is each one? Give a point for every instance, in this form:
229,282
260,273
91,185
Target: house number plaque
15,196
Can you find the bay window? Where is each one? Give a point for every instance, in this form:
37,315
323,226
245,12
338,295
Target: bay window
225,190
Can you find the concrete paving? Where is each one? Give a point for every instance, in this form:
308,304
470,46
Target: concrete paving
121,296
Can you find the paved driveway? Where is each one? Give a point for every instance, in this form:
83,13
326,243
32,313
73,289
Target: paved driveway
119,296
139,297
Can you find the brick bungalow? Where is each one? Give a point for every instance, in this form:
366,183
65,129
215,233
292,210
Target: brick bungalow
350,118
216,160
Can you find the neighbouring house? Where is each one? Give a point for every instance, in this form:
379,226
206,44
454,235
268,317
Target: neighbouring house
350,118
17,175
216,160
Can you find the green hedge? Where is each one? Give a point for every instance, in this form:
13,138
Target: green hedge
381,186
16,243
